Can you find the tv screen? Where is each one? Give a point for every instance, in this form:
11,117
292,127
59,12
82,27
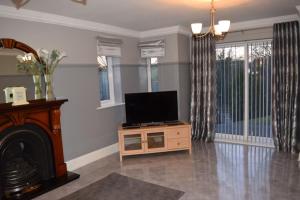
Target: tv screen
151,107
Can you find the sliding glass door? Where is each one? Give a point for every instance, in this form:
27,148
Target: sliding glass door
230,86
244,92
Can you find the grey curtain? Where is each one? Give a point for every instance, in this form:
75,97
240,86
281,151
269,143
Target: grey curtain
285,85
203,88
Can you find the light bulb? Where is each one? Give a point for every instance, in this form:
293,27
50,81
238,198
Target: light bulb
218,30
196,28
224,25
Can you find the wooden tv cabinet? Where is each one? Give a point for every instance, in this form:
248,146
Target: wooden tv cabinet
154,139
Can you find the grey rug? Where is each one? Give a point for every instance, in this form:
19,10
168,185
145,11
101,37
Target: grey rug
119,187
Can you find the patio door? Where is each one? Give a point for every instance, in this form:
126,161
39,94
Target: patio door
244,92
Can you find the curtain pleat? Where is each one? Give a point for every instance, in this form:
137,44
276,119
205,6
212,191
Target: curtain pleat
203,88
285,85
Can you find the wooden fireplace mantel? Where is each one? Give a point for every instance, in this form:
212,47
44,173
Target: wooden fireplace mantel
46,115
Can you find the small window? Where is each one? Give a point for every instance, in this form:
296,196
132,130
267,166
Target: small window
152,74
106,81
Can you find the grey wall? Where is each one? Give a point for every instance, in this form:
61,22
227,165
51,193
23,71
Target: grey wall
183,48
84,128
174,70
255,34
131,80
184,91
184,75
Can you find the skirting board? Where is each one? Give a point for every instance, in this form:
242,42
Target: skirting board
88,158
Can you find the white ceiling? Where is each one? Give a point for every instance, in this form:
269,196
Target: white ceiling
141,15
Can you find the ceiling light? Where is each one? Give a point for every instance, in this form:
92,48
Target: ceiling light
196,28
218,31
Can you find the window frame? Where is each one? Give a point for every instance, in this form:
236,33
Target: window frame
149,73
110,74
246,138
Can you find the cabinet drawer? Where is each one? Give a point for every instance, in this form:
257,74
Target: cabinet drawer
178,133
178,143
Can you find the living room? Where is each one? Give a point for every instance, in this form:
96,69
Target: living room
109,49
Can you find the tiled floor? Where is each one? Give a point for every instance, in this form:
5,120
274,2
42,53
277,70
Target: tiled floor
213,171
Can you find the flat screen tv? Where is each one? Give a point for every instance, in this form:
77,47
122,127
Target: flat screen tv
151,107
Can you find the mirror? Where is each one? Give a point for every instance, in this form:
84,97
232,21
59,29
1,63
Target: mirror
8,62
10,76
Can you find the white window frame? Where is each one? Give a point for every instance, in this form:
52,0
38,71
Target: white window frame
245,138
110,74
149,75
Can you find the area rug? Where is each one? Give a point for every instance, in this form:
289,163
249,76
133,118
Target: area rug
119,187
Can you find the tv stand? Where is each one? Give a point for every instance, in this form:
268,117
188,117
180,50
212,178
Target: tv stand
152,124
170,123
154,139
167,123
130,126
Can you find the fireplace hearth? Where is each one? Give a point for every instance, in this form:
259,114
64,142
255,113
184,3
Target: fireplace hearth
19,177
31,153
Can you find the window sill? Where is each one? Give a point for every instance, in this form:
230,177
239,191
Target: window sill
109,106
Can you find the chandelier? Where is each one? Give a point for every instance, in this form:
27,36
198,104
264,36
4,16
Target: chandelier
21,3
218,31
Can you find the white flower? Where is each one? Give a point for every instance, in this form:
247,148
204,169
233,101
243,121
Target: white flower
51,59
28,57
20,58
28,63
61,55
43,54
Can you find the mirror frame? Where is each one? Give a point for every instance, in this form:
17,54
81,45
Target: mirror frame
14,44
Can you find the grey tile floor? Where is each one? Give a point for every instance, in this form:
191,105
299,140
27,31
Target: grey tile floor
217,171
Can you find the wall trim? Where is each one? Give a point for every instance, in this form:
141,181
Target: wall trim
165,31
261,23
237,26
88,158
36,16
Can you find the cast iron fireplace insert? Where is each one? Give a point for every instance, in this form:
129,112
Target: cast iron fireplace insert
25,159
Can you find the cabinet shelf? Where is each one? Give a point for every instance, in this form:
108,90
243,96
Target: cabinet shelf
154,139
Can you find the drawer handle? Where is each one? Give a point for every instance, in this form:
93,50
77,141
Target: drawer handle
178,143
178,133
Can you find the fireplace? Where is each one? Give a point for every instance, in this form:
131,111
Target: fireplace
31,153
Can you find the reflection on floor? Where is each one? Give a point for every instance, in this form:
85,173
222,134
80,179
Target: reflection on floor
217,171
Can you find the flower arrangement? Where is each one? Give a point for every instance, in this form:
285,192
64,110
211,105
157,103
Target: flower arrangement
50,60
47,64
28,63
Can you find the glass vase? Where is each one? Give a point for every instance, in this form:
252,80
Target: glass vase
49,87
37,81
